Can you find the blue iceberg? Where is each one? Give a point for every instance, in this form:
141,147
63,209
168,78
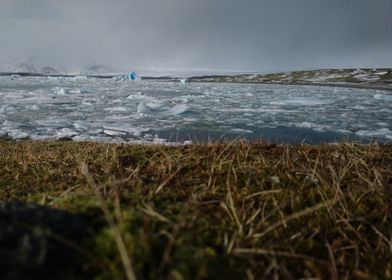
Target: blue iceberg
132,76
129,77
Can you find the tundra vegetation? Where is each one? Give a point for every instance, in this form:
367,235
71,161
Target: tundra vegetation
230,210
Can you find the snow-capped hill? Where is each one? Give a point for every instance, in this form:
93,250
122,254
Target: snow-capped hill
32,68
359,77
48,70
24,67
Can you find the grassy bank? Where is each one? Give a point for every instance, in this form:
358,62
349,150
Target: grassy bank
216,211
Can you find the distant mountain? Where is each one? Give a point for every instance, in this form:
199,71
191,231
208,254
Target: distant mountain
44,69
48,70
24,67
28,67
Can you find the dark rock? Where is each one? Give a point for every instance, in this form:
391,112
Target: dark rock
38,242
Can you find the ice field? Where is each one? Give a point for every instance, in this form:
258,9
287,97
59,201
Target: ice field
82,108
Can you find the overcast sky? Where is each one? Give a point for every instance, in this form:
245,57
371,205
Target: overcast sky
247,35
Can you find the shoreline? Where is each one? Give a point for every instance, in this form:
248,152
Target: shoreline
234,79
358,86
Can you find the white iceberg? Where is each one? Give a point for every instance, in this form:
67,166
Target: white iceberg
183,81
142,108
178,109
61,91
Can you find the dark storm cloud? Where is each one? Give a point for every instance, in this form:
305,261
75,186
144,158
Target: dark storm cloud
220,34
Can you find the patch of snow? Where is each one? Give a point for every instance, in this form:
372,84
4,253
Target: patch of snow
381,73
366,77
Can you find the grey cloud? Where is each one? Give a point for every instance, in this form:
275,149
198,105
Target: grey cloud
254,35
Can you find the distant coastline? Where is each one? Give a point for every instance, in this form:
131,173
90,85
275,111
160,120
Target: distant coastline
379,79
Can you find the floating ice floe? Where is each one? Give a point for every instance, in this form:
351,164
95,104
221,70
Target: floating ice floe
59,123
66,132
36,108
307,125
178,109
15,76
136,131
33,107
136,95
373,133
117,109
240,131
81,125
383,97
305,101
150,108
17,134
142,108
55,78
79,91
94,131
130,77
60,91
77,78
114,132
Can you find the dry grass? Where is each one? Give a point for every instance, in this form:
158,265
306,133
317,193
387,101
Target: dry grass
228,211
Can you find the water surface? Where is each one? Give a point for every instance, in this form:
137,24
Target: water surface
104,109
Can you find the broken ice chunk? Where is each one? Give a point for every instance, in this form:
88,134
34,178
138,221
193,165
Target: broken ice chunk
142,108
178,109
